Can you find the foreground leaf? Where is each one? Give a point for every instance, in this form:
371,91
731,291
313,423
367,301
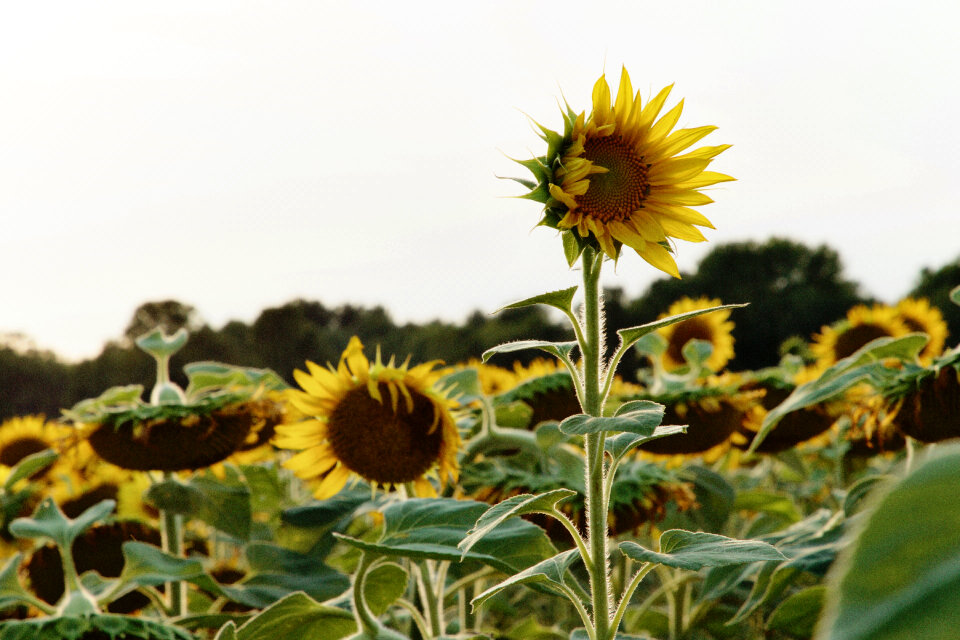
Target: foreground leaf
901,578
513,506
559,349
550,572
641,417
298,616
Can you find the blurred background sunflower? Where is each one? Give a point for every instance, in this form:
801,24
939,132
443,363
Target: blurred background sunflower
716,328
861,325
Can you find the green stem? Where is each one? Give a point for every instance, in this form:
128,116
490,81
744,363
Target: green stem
592,349
628,593
416,616
172,543
365,619
429,596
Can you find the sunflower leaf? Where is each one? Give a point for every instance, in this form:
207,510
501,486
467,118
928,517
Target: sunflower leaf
298,616
630,336
513,506
11,591
955,296
549,572
431,528
901,576
562,300
222,506
640,417
383,585
48,521
29,466
696,550
619,445
561,350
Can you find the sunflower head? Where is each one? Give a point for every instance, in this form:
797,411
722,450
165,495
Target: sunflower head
385,423
919,315
622,176
862,325
24,436
715,328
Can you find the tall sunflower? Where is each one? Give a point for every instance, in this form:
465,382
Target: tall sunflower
618,177
382,422
715,328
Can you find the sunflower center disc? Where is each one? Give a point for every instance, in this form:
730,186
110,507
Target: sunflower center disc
380,445
616,194
18,449
684,332
855,337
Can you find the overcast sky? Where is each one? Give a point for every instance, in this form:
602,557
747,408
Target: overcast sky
237,155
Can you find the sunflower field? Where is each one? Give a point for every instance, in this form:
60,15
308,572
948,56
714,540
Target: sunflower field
381,498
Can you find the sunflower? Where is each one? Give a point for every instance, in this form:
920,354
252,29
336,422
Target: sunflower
918,315
861,325
715,328
381,422
23,436
616,179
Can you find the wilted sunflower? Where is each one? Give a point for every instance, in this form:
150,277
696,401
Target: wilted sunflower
715,328
918,315
862,325
615,177
382,422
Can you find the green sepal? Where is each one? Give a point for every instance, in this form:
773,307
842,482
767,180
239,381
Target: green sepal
29,466
513,506
549,572
631,335
619,445
559,349
48,521
695,550
955,295
562,300
573,246
640,417
866,363
537,167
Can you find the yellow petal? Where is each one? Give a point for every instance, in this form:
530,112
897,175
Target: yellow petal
706,152
624,104
677,142
660,130
333,483
424,488
652,110
647,227
705,179
675,171
683,214
661,259
310,384
681,230
313,462
558,194
685,197
601,101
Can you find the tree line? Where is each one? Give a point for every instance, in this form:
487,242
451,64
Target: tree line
793,291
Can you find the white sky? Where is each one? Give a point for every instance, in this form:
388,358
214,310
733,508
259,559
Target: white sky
237,155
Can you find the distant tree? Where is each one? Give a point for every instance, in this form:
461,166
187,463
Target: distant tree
169,315
32,382
793,290
936,287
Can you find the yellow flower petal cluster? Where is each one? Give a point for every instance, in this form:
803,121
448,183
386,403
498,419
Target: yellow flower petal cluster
381,422
623,176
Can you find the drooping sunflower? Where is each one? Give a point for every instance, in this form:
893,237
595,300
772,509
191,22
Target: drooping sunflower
862,324
618,177
715,328
918,315
381,422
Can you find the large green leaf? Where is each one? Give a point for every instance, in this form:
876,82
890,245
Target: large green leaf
276,572
641,417
383,585
511,507
901,577
222,506
549,573
562,299
797,615
431,528
696,550
558,349
298,616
